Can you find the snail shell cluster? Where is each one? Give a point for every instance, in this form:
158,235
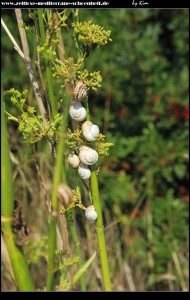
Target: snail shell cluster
88,155
90,213
73,160
84,171
77,111
90,131
80,90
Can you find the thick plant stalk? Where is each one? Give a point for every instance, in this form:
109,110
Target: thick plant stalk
100,233
59,174
48,70
99,222
16,46
6,260
28,61
69,214
18,262
61,147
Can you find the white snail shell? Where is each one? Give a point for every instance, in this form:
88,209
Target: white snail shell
80,90
90,131
90,213
84,171
77,111
73,160
88,155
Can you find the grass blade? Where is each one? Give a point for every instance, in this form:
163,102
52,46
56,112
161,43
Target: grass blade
18,261
82,270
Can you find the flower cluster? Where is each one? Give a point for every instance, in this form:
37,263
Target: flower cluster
32,126
89,33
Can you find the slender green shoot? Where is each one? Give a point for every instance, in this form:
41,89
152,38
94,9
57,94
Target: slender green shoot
59,173
75,241
87,110
54,206
100,233
48,70
82,270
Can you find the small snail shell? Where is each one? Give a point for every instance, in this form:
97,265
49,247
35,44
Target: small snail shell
77,111
88,155
84,171
90,131
73,160
90,213
80,91
64,194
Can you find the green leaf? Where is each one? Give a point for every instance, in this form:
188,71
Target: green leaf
180,170
81,271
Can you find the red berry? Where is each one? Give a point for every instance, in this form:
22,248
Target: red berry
186,198
127,166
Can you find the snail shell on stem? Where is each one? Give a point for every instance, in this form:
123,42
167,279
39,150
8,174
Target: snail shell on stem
90,213
88,155
64,194
84,171
90,131
73,160
77,111
80,90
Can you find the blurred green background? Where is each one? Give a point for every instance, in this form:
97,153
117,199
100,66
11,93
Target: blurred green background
143,109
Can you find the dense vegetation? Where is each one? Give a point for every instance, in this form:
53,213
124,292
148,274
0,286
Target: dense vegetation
142,108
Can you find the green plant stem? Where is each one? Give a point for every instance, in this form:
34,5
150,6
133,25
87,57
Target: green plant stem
86,187
76,243
59,173
81,271
150,197
99,222
18,262
48,70
75,41
69,213
87,110
75,240
100,233
54,206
